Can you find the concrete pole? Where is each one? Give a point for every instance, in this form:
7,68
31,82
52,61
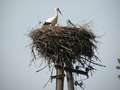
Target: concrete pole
60,78
70,80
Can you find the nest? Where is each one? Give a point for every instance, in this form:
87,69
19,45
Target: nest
64,44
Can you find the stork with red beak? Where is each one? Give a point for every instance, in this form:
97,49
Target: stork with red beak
70,23
52,21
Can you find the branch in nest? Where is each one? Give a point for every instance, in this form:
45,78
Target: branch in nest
41,68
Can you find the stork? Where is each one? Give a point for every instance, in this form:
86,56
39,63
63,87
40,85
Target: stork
69,22
74,25
52,21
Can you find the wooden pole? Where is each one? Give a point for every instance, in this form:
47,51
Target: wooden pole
70,79
59,80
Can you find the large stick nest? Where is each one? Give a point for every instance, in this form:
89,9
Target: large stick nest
64,44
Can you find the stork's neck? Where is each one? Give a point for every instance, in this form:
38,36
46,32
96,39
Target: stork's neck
56,13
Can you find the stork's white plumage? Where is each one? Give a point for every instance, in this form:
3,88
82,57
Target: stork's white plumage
52,21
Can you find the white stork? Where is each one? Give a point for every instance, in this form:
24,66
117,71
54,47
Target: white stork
52,21
69,22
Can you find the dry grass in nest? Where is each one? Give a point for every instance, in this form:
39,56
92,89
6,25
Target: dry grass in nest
64,44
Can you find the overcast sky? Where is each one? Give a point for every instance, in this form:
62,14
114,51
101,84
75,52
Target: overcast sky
17,17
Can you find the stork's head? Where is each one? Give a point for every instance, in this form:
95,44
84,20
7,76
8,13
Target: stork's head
58,10
69,22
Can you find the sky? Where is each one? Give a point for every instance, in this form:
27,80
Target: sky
18,17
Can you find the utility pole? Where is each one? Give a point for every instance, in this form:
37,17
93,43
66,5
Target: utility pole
69,76
70,80
59,77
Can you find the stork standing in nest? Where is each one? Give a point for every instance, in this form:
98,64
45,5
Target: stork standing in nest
70,23
52,21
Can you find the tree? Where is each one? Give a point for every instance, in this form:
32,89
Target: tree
118,66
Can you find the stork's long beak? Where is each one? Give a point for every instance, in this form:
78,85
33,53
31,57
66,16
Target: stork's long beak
71,23
59,11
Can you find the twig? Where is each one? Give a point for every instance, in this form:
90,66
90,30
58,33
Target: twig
41,68
47,83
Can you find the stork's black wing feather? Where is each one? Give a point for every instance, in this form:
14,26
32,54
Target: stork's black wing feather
46,24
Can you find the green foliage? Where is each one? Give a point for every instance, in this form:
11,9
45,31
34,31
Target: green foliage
119,76
118,66
118,60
